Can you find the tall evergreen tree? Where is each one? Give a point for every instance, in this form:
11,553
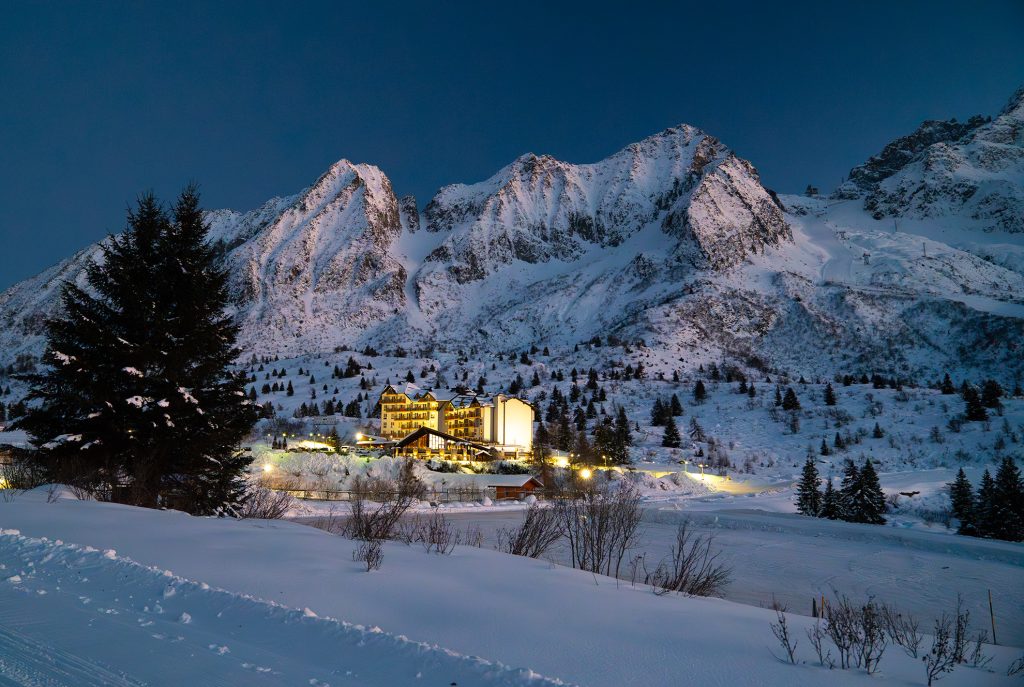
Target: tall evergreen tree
868,504
847,488
675,407
831,503
984,512
974,411
947,385
789,400
808,494
622,438
699,392
830,395
991,393
1007,515
962,499
151,350
671,438
658,413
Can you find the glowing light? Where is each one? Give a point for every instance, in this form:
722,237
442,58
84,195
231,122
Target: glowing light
359,436
268,467
585,473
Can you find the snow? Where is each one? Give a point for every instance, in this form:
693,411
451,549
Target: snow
265,578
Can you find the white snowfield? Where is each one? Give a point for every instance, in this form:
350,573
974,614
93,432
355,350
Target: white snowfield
233,613
79,616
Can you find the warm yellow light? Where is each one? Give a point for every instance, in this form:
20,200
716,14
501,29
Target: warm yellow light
358,436
268,467
585,473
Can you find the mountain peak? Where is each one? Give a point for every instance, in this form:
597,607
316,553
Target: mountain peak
1015,105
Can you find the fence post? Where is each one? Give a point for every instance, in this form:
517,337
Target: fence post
992,615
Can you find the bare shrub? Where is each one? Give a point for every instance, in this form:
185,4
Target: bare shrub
977,658
903,629
940,658
961,623
378,521
781,631
371,553
437,534
692,567
600,525
19,474
858,633
1016,667
540,529
817,635
262,503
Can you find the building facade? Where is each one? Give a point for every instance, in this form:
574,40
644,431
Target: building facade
502,423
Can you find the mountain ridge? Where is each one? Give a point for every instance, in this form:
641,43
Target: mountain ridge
672,240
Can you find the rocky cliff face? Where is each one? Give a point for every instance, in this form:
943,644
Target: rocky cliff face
973,169
539,209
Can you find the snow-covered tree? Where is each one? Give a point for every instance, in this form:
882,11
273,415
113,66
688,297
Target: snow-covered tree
138,400
808,494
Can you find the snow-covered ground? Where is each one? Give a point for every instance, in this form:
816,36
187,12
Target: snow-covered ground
232,612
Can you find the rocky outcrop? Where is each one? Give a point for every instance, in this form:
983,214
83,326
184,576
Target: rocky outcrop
973,169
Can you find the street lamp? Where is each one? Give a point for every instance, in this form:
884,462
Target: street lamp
702,470
585,473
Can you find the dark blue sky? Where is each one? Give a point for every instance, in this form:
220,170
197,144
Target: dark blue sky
100,100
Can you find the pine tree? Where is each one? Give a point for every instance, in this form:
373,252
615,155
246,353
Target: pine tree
984,521
877,432
809,498
671,438
991,393
291,389
658,413
790,401
830,395
675,407
870,499
961,496
947,385
825,450
974,411
831,503
623,439
154,347
847,489
699,392
1007,510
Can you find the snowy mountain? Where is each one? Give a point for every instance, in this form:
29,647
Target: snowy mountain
672,240
973,169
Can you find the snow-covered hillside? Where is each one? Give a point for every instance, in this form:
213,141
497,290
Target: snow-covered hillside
672,240
75,586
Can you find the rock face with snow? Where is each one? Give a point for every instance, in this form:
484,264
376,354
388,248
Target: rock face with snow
672,240
540,209
974,168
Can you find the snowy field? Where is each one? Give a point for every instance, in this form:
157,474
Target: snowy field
239,607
